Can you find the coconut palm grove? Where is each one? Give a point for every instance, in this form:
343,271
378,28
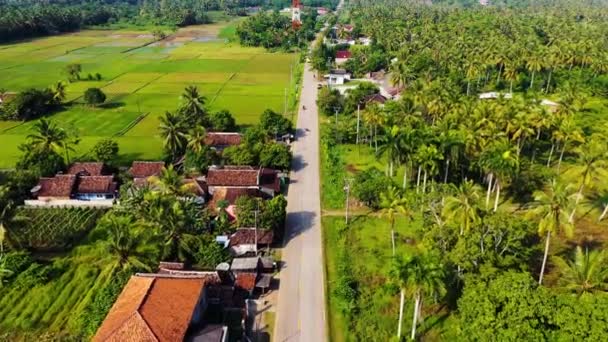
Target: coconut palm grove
470,153
148,148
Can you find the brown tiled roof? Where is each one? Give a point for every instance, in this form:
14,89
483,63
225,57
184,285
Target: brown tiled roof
343,54
58,186
153,308
245,281
88,169
246,236
221,139
96,185
233,177
143,169
378,98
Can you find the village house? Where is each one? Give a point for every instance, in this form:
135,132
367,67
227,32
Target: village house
249,240
243,177
84,184
342,56
142,170
165,307
337,77
322,11
251,273
220,140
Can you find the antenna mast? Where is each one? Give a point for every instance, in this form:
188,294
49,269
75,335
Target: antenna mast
295,14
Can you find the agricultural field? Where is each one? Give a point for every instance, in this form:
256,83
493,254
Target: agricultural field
142,79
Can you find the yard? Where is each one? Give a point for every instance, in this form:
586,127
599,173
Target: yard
142,79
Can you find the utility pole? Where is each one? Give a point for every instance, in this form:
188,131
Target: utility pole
255,215
347,190
336,111
358,121
285,109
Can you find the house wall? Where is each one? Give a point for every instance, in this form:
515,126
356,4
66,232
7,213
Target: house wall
94,197
200,309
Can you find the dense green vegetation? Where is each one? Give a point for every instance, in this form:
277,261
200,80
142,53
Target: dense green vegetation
273,30
472,219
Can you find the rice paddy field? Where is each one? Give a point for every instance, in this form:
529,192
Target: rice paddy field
142,79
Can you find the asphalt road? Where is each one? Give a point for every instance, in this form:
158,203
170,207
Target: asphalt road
301,307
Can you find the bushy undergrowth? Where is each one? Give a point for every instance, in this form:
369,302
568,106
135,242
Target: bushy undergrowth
332,173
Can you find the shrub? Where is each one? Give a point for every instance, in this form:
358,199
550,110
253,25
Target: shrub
29,104
222,121
94,96
276,156
368,186
105,151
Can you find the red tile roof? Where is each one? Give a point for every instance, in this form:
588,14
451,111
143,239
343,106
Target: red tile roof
378,98
96,185
223,139
156,307
89,169
245,281
58,186
245,176
343,54
246,236
143,169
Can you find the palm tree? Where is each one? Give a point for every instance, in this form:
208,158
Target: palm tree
392,203
585,273
462,207
551,206
59,92
391,147
418,275
128,243
196,139
427,157
567,132
47,137
170,182
500,161
373,117
591,162
534,64
174,132
193,107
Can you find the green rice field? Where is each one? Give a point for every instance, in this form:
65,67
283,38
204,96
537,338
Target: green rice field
142,79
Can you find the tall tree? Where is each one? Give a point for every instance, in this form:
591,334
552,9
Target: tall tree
392,203
419,275
551,207
193,107
174,132
461,208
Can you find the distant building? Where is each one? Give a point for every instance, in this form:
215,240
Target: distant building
495,95
484,2
220,140
142,170
84,184
342,56
243,177
243,241
338,77
322,10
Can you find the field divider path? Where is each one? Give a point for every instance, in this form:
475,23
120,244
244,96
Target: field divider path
219,91
132,124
